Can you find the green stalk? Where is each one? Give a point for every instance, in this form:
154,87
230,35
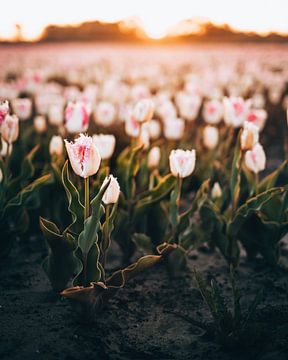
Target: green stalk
87,200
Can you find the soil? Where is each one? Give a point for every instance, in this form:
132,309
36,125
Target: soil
148,319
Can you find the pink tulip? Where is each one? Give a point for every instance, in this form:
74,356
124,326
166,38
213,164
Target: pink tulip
182,163
143,110
83,155
257,117
77,117
10,128
105,144
4,110
210,137
235,111
174,128
22,108
105,114
112,193
255,159
132,126
213,112
249,136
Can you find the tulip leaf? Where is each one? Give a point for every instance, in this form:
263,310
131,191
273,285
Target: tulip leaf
236,173
75,206
270,180
143,243
89,236
61,264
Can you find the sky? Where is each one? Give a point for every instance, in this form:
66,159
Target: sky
157,16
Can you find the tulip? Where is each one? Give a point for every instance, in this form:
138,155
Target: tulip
257,117
10,128
182,162
40,124
5,148
249,136
154,129
235,111
255,159
56,145
105,145
77,117
167,110
55,115
132,127
154,157
112,193
210,137
4,110
143,110
188,105
174,128
84,156
216,191
212,112
105,114
22,108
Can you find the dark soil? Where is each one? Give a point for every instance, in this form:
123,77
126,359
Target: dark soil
148,319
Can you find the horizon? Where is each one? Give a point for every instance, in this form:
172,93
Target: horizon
147,16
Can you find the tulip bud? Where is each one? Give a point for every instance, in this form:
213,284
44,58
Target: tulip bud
77,117
182,162
216,191
56,145
174,128
235,111
5,148
249,136
154,157
143,110
154,129
55,115
188,105
22,108
210,137
4,110
40,124
112,193
10,128
255,159
83,155
105,145
257,117
212,112
132,127
105,114
144,138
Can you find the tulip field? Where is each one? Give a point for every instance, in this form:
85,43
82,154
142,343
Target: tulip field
143,202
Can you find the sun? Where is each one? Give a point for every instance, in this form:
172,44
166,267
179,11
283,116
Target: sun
154,28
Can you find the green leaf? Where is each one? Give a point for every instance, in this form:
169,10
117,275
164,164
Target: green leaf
89,236
143,243
154,196
236,173
119,278
270,180
61,264
75,206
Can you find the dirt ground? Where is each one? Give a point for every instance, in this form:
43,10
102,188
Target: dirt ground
145,320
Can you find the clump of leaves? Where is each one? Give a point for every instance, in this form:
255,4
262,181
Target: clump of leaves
18,195
229,326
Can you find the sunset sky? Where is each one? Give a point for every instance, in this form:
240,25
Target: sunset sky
157,16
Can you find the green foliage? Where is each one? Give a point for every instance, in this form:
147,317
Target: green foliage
228,325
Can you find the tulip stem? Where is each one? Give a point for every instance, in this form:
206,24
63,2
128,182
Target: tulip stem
256,183
180,181
86,196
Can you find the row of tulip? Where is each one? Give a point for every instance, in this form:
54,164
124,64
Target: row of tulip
145,208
